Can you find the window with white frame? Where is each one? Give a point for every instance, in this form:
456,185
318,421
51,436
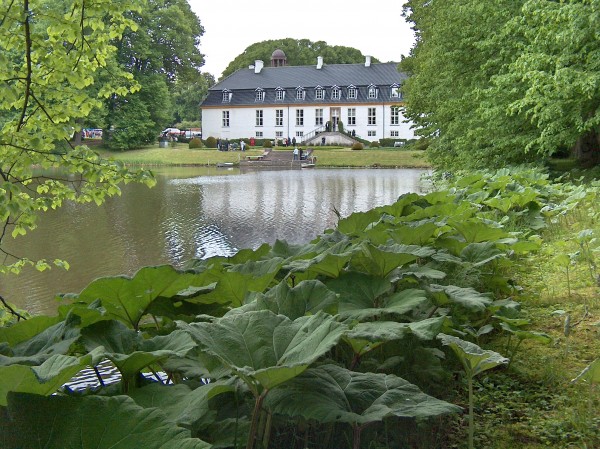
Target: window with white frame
225,119
278,117
299,133
319,93
352,93
299,117
372,92
300,93
259,133
279,94
226,96
394,115
335,93
372,116
278,133
260,95
394,133
351,116
259,117
318,117
372,133
395,91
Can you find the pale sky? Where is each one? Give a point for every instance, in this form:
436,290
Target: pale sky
376,28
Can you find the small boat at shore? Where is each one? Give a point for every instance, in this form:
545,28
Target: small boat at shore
225,164
308,165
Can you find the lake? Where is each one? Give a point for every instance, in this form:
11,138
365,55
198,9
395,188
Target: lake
192,212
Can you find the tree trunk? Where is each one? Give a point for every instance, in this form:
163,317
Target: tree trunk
587,148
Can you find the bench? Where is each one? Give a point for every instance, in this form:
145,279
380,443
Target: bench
255,158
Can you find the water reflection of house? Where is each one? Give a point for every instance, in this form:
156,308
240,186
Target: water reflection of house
284,101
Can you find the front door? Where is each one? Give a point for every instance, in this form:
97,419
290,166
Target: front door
335,114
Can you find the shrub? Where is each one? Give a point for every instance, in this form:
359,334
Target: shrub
357,146
267,144
196,142
340,126
374,144
211,142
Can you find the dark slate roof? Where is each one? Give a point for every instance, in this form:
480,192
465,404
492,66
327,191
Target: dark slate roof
244,82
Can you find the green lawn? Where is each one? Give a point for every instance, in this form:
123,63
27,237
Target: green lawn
326,157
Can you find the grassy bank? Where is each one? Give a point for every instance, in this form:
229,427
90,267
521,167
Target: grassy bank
326,157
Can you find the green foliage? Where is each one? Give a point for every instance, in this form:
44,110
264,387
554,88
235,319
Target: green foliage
297,51
512,87
211,142
196,142
374,144
357,146
163,57
357,314
267,143
51,67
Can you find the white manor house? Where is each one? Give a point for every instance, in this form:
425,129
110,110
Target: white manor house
284,101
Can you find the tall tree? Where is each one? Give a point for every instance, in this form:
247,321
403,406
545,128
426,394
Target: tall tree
162,52
505,81
187,96
298,52
51,52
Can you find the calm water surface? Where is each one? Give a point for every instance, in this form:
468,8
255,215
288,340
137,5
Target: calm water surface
192,212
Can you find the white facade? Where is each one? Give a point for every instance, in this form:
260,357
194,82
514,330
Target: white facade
298,121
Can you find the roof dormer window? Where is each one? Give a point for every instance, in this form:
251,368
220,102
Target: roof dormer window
279,94
372,92
319,93
300,93
395,91
352,92
335,93
227,94
260,95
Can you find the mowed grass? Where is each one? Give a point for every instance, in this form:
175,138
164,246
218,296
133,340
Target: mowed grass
180,154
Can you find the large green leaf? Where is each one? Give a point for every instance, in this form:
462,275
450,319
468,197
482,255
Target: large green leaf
364,296
128,298
26,329
381,261
306,298
426,329
466,297
267,348
329,262
475,231
90,422
55,339
46,378
329,393
183,406
129,351
474,359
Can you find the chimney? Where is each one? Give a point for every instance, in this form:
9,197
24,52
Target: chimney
258,65
367,61
319,62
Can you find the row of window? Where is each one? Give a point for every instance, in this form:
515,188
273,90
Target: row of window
351,117
372,133
335,93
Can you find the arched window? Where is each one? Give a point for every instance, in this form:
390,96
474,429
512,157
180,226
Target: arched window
352,92
335,93
319,93
260,95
